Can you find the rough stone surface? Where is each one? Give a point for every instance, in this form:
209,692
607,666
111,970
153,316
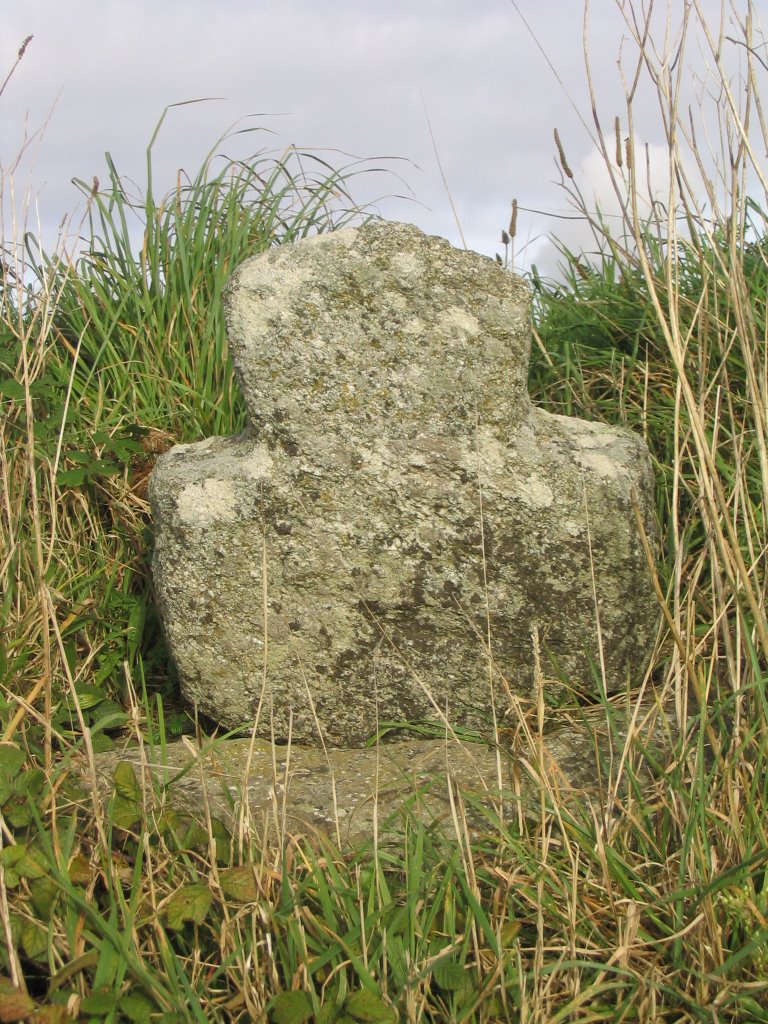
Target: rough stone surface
577,764
399,524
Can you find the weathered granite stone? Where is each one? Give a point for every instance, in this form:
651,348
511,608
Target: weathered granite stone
579,764
399,524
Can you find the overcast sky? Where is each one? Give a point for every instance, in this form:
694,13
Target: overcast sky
361,77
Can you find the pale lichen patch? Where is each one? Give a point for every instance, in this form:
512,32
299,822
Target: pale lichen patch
535,492
206,502
456,320
601,462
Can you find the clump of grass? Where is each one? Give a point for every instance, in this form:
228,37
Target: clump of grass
125,910
666,331
109,353
143,332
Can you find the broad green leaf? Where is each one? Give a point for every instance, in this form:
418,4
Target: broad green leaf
88,467
126,783
12,389
20,862
190,903
451,977
44,893
80,457
239,883
329,1013
99,1004
33,865
123,448
103,467
290,1008
368,1007
79,870
32,782
108,714
71,477
10,856
45,429
33,937
87,697
125,812
17,812
137,1008
12,759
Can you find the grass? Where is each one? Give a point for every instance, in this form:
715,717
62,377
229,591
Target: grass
115,911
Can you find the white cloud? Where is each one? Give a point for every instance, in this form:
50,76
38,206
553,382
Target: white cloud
338,75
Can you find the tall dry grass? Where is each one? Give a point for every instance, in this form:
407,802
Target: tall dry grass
656,912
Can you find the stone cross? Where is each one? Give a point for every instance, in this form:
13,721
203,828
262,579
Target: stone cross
399,535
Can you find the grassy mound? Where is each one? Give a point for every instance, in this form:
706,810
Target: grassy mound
115,912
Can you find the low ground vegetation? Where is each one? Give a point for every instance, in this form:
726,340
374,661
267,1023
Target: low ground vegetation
111,911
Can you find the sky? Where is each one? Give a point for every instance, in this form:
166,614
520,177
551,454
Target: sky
457,98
